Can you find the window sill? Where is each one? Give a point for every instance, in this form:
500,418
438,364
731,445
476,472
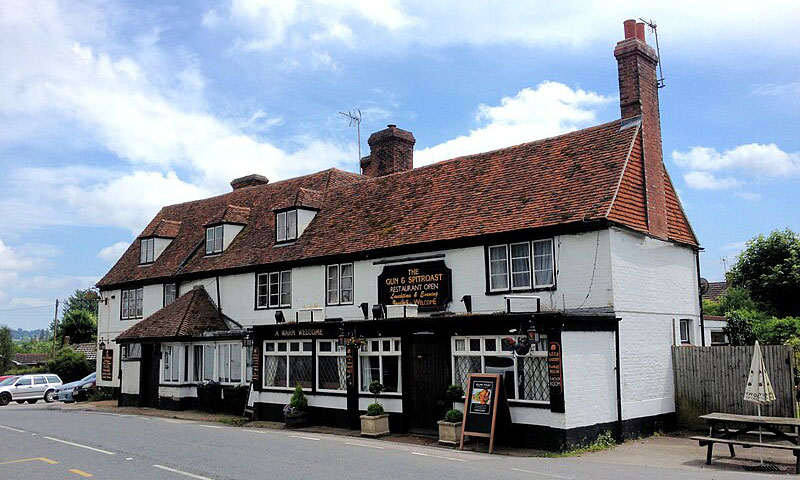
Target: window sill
130,318
528,404
282,307
283,243
213,254
522,290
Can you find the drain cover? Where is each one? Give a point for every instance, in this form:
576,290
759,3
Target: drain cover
762,468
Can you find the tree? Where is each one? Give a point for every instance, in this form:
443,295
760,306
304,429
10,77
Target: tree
741,327
769,268
79,325
710,307
6,348
82,300
69,365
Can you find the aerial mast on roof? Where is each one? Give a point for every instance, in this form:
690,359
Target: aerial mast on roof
653,27
355,119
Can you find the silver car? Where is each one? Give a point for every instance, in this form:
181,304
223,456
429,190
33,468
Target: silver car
29,388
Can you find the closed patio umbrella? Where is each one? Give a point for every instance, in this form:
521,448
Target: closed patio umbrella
759,388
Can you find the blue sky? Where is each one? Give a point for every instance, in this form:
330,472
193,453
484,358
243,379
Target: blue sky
109,110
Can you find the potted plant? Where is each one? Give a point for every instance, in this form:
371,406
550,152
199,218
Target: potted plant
375,423
450,427
294,413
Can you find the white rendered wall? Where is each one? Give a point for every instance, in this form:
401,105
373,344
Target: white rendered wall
590,384
304,217
712,325
229,232
130,374
159,245
655,283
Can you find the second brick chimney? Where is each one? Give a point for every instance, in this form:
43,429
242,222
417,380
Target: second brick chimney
390,151
638,97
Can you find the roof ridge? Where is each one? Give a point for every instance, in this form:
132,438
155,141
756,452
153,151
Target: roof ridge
188,307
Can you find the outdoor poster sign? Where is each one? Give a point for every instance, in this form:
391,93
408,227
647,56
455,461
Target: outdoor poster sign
426,284
483,394
107,367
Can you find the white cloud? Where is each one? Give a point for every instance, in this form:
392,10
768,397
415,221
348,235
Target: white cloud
749,196
549,109
708,181
787,91
112,253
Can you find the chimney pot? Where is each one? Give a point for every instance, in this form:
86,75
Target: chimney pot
392,125
630,28
640,32
391,151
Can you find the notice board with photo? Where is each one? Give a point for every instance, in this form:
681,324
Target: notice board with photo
483,395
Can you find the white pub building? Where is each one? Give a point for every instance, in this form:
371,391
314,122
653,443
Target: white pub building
576,242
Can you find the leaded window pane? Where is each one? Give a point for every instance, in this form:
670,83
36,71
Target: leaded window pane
464,366
275,371
533,378
300,371
332,372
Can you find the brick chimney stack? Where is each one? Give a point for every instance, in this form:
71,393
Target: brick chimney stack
638,97
391,151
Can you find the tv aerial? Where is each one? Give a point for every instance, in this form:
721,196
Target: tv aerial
653,29
355,120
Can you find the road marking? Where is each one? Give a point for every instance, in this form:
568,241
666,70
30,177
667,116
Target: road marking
13,429
304,438
542,474
364,445
129,458
438,456
81,473
184,421
210,426
81,446
42,459
180,472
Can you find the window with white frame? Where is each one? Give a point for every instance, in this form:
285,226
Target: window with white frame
331,371
286,225
203,362
510,266
288,363
524,376
380,361
170,363
147,250
131,351
229,369
170,293
340,284
214,239
686,328
274,289
131,303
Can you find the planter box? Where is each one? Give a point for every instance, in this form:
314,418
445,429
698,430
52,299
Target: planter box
374,426
295,420
235,399
209,398
449,433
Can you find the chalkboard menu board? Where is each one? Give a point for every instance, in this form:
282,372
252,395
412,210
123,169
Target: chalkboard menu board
425,284
484,392
107,365
555,373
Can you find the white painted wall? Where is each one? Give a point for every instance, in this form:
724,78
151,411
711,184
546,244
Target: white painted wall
713,326
590,384
654,284
229,232
159,245
304,217
130,374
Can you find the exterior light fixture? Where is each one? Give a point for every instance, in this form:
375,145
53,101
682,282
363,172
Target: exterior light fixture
365,310
533,335
467,301
102,345
377,311
279,318
247,342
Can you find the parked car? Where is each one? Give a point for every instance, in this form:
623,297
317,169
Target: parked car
78,390
29,388
3,377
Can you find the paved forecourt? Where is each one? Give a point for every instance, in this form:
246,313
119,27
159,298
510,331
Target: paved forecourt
37,442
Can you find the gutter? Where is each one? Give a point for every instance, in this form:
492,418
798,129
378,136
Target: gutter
619,383
700,301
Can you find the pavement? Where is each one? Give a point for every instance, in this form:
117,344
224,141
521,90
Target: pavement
101,441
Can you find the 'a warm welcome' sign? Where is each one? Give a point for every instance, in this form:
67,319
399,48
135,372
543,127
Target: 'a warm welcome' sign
425,284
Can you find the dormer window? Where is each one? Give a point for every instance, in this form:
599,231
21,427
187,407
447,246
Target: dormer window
214,239
286,225
147,250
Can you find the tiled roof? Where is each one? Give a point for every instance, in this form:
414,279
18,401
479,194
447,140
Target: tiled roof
590,174
232,214
715,290
719,318
89,350
160,227
31,358
191,315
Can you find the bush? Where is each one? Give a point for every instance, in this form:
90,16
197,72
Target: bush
453,416
742,325
776,331
101,393
711,307
455,393
27,370
374,409
299,402
376,388
69,365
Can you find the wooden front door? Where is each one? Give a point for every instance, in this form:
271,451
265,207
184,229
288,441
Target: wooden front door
149,375
426,380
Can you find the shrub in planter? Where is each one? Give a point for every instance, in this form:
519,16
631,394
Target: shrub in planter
450,427
235,399
375,423
294,413
454,394
209,396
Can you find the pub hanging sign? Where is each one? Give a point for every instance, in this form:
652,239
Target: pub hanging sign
428,285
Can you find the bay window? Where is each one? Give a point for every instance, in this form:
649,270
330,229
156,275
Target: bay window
170,363
380,361
288,363
230,362
203,363
524,376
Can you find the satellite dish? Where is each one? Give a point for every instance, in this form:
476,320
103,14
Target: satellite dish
703,286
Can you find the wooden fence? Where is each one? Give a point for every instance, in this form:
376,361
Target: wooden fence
712,379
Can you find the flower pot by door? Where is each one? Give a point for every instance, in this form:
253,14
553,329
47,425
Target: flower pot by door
449,433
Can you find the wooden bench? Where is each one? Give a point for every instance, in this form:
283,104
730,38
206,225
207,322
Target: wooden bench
710,441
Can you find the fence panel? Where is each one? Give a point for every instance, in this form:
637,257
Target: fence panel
713,379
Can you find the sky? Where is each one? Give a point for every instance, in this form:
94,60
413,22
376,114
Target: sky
110,110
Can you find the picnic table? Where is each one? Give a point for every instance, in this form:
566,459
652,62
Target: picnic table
729,429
